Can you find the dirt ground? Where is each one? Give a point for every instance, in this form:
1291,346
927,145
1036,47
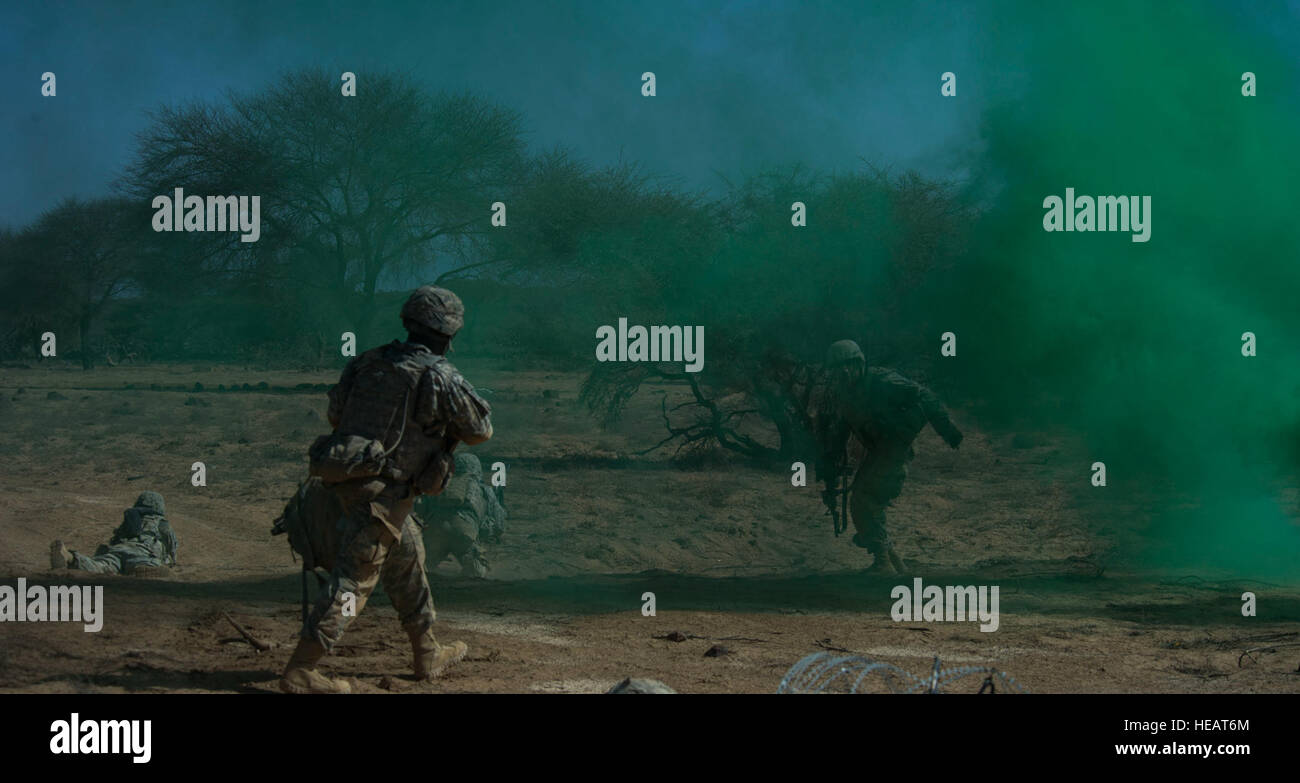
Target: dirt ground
736,556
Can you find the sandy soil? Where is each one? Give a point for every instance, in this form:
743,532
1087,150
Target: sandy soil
735,556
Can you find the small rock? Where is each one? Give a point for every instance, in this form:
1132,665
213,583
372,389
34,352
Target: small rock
198,387
630,685
676,636
717,651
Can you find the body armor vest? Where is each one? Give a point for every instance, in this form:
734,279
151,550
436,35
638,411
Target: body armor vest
382,402
883,409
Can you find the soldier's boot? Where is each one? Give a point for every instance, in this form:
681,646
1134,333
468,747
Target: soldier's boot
431,658
300,676
472,566
60,555
883,564
896,560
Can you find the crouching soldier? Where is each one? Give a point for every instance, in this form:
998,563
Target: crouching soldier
462,519
886,412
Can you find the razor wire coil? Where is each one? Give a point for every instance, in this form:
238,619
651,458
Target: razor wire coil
823,672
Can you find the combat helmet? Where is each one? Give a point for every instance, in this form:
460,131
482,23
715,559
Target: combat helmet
151,502
467,465
434,309
843,352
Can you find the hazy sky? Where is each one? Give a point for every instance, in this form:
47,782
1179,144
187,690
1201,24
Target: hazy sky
739,83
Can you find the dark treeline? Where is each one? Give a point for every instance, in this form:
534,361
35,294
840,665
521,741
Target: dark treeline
382,192
363,198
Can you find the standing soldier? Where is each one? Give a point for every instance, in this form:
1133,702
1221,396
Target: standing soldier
398,412
886,412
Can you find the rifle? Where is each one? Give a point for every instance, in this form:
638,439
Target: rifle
837,488
844,503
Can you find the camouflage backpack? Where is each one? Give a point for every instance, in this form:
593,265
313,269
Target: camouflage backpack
467,495
145,520
312,518
337,458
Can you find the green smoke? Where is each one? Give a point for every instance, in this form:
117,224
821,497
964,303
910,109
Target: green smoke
1137,346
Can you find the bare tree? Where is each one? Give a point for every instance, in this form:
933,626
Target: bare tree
772,299
74,261
353,188
571,222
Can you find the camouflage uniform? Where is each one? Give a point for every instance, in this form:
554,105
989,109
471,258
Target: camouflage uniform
333,537
412,400
464,517
886,412
377,509
143,543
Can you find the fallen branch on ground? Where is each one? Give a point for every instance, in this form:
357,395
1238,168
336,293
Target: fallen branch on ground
1267,648
258,644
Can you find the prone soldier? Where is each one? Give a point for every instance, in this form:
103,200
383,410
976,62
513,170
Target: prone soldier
143,545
